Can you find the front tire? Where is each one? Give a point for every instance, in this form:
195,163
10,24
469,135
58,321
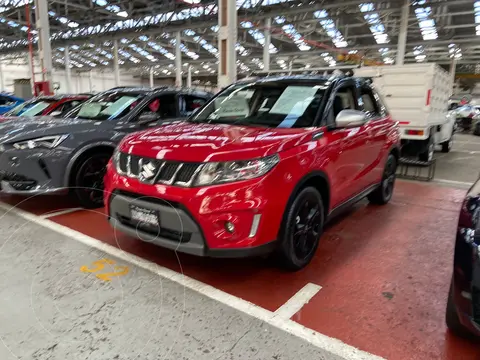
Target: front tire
427,155
88,181
383,193
301,230
447,145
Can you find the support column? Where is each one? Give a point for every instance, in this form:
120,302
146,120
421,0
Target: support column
266,46
2,80
44,48
90,81
68,72
453,70
227,38
152,83
189,77
178,59
116,66
402,35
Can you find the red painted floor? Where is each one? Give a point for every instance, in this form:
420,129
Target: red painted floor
384,273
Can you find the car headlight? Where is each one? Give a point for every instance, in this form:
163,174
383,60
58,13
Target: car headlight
223,172
48,142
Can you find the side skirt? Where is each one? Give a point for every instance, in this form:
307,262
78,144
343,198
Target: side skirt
347,204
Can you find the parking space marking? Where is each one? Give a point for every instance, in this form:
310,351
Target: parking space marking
462,184
332,345
297,301
60,212
99,265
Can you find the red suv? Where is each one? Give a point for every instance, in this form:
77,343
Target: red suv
259,168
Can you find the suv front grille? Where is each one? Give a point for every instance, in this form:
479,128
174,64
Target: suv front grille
153,171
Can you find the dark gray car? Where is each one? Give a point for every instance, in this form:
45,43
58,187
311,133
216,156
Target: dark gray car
47,155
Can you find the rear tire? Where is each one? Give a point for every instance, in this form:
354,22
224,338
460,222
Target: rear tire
88,179
447,145
451,317
427,155
301,230
383,193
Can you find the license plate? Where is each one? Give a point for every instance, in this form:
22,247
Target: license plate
144,216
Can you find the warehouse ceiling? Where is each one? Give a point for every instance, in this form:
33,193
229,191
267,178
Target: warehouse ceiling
309,34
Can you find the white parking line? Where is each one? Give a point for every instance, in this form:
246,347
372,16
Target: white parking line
60,212
463,184
297,301
332,345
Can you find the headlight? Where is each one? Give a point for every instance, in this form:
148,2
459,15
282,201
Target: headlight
48,142
217,173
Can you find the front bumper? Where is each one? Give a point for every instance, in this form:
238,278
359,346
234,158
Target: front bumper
31,172
178,230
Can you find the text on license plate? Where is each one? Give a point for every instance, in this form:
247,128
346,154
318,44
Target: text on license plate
143,215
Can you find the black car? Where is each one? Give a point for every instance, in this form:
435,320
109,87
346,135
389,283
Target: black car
463,306
48,155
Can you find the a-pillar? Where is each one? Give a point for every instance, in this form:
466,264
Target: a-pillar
227,38
266,45
178,59
116,65
44,48
68,71
402,35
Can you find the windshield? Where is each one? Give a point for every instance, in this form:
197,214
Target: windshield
269,104
30,108
106,106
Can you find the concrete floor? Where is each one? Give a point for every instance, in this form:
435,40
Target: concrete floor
51,310
462,164
384,273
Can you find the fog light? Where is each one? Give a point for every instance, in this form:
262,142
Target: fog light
229,227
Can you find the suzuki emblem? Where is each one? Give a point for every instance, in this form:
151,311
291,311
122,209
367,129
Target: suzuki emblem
148,171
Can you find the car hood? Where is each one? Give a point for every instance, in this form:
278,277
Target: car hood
204,142
23,128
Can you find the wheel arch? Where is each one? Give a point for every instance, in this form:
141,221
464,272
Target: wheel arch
320,181
84,151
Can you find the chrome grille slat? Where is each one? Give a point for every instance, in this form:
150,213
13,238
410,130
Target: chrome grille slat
166,172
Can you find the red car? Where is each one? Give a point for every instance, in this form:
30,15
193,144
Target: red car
260,168
54,105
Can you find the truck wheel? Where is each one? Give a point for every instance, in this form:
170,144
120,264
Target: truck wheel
382,194
88,180
451,317
447,145
427,155
301,230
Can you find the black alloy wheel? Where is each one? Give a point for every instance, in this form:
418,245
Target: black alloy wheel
89,180
383,193
300,233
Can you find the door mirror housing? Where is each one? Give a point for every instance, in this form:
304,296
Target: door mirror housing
350,118
148,117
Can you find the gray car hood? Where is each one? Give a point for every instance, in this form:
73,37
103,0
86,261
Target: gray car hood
27,128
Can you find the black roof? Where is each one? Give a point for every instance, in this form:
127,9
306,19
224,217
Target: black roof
155,90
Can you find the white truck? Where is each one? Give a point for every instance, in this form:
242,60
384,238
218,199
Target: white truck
417,97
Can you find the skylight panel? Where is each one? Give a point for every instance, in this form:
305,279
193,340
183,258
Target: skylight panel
203,43
292,32
329,26
128,56
425,21
115,9
258,36
385,53
63,20
476,8
419,53
142,52
329,59
157,47
375,23
185,50
454,51
259,63
82,60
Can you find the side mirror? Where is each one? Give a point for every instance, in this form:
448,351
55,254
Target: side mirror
350,118
148,117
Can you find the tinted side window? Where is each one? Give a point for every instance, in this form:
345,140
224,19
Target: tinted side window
3,100
163,106
343,100
190,103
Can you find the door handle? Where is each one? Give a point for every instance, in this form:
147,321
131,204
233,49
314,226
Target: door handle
318,135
